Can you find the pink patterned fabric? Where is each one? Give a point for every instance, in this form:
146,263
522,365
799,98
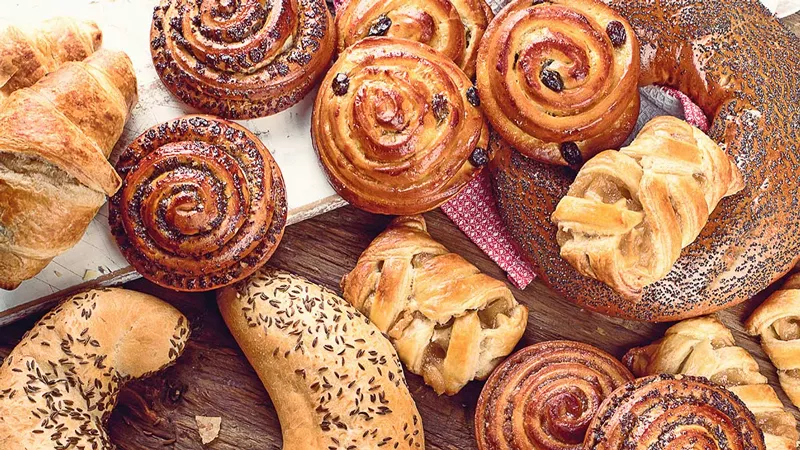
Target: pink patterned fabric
694,115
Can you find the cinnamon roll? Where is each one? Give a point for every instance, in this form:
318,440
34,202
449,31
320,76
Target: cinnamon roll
202,203
544,396
453,27
398,127
673,412
558,79
241,59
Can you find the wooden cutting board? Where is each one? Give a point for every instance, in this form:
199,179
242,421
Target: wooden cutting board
213,378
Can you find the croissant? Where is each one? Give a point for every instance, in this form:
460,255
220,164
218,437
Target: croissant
629,213
28,55
705,347
55,137
777,321
449,322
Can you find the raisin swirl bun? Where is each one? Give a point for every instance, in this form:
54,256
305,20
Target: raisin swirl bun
558,79
544,396
397,127
673,412
241,59
202,204
453,27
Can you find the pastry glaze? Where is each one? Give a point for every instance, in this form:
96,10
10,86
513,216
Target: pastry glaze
741,67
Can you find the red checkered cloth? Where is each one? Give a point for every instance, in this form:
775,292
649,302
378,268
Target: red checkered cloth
474,211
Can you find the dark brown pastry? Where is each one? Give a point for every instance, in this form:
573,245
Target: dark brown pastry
544,396
241,59
559,79
202,204
395,128
715,51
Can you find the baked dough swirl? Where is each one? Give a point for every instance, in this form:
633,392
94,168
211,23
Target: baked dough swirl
241,59
202,204
544,396
453,27
394,128
558,79
673,412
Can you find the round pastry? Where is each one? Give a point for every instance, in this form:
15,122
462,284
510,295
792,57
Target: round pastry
544,396
751,239
398,127
673,412
559,79
453,27
202,204
241,59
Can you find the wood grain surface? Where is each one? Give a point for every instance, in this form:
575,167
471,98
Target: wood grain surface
213,378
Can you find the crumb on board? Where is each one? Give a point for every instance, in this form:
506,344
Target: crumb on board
208,427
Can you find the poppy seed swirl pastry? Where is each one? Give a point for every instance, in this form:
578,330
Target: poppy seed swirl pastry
241,59
559,79
673,412
453,27
629,213
544,396
397,127
202,203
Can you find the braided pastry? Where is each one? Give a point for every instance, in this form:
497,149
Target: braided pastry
777,321
453,27
673,412
28,55
397,127
705,347
558,79
202,204
544,396
449,322
241,59
629,213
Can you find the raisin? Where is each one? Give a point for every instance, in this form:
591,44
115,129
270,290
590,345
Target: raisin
616,32
552,80
340,84
440,107
539,2
472,97
381,26
479,157
571,153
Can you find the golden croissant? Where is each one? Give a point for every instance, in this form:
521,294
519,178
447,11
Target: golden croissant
705,347
449,322
629,213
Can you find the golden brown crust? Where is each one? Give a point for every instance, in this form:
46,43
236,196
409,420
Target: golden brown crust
399,135
55,137
544,396
629,213
60,383
452,27
449,322
704,347
202,204
26,55
241,59
673,411
714,51
553,82
334,379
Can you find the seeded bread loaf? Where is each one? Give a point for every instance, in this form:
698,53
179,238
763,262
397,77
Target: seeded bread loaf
60,383
334,379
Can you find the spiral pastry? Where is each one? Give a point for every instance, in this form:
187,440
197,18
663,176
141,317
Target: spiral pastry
673,412
453,27
544,396
241,58
558,79
202,204
397,127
